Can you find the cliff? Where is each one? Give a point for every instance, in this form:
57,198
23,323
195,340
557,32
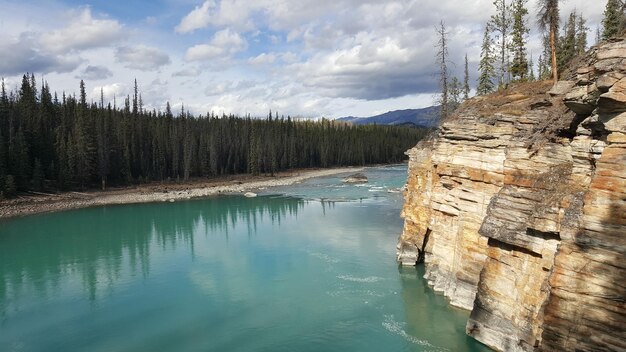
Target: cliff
517,207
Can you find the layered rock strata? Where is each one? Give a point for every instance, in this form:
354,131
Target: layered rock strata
517,207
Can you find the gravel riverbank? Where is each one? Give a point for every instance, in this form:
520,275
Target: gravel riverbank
157,192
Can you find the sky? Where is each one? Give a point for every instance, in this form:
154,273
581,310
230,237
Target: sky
307,58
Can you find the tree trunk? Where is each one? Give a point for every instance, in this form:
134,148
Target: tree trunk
555,73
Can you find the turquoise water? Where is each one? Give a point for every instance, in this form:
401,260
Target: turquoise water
308,267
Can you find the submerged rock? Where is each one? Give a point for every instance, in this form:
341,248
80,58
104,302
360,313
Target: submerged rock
355,178
518,211
250,195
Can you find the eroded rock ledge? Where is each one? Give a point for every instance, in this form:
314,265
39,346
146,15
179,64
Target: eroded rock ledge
517,207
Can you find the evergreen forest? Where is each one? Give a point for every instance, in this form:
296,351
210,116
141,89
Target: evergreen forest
53,143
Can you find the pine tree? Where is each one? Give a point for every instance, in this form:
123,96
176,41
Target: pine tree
531,69
188,149
549,21
455,94
466,86
519,67
135,102
10,188
253,155
598,36
83,141
541,69
613,19
442,61
19,167
3,165
501,24
545,72
581,35
103,137
485,67
38,176
567,43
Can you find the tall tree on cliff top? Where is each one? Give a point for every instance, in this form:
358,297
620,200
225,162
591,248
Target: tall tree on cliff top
485,67
455,93
442,61
549,21
519,67
501,24
581,35
466,86
614,17
567,43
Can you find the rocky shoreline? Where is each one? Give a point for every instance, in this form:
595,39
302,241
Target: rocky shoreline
167,192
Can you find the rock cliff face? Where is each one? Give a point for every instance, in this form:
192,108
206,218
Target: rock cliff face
517,207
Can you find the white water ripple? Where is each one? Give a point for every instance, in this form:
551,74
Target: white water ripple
368,279
395,327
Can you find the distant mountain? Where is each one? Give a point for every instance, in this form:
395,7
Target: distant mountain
426,117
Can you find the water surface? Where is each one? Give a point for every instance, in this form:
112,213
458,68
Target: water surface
308,267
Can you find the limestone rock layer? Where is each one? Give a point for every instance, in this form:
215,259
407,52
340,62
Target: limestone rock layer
517,207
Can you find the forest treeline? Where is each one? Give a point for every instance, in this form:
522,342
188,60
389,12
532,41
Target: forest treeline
49,142
504,56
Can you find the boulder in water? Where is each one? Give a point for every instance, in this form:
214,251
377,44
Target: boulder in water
356,178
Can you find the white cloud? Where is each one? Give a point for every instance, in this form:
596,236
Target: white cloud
198,18
94,73
224,43
231,13
289,57
144,58
83,32
263,59
22,55
187,72
371,68
326,56
110,91
219,88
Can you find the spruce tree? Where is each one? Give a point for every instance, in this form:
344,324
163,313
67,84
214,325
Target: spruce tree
20,167
10,188
455,94
253,155
531,69
466,86
3,166
581,35
37,180
613,19
485,67
540,68
83,141
501,23
567,43
519,67
548,17
442,61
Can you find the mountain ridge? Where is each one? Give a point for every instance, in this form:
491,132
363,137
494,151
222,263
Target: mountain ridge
423,117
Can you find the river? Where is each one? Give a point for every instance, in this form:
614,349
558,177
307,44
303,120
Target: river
308,267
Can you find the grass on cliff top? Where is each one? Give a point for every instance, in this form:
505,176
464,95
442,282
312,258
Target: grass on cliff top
520,99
